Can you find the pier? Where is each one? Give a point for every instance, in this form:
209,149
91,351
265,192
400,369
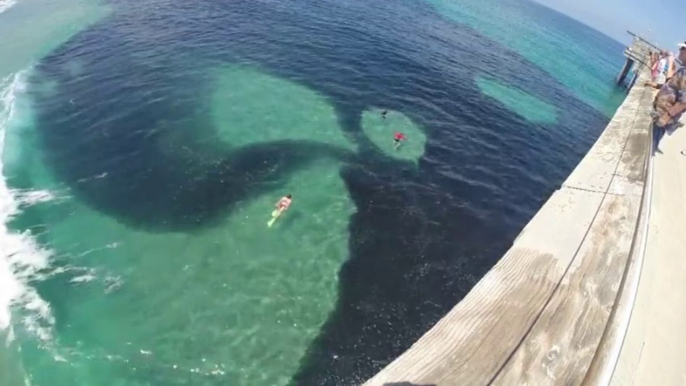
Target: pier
592,291
637,58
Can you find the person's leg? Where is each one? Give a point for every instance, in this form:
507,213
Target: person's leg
672,128
658,133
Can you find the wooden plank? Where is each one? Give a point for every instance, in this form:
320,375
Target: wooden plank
560,348
561,345
632,163
475,339
607,355
538,315
653,351
620,149
630,174
598,168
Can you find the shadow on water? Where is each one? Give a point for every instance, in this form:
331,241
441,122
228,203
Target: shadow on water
418,241
133,177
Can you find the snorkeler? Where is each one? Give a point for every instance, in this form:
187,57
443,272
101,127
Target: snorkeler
281,206
397,139
284,203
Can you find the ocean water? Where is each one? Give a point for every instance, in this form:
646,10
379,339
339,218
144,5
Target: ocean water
144,144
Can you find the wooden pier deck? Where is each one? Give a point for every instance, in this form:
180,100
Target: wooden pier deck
555,308
654,349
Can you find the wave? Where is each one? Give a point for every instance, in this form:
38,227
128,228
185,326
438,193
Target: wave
21,257
6,4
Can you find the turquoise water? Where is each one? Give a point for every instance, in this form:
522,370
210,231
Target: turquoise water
573,55
144,146
528,107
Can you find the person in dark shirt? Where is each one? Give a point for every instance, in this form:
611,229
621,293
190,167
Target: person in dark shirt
670,102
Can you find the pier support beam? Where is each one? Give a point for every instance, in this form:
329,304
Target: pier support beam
625,70
633,80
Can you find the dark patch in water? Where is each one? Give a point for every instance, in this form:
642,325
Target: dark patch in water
438,231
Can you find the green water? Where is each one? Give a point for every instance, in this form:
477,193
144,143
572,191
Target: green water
548,46
251,107
239,275
32,28
222,301
130,306
379,131
522,103
28,30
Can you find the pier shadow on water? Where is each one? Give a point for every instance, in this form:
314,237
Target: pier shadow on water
420,239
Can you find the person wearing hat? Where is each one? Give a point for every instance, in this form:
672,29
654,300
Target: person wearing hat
670,102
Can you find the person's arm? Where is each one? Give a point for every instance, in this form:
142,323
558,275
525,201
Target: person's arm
670,67
654,85
677,109
679,105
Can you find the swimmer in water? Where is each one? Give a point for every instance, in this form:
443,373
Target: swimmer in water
284,203
398,138
281,206
383,114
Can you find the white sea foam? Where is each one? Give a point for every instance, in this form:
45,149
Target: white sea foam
21,258
6,4
31,197
88,277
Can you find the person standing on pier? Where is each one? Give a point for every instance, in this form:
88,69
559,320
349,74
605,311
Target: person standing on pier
662,68
670,102
654,59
